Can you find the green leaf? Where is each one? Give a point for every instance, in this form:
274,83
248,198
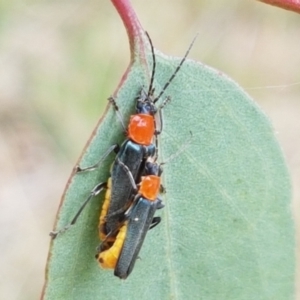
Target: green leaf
226,230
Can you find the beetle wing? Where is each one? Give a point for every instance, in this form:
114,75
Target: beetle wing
139,223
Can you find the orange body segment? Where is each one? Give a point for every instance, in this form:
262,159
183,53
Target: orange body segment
108,258
150,186
141,129
102,233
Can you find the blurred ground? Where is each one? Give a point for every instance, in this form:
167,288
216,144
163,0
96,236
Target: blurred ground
60,60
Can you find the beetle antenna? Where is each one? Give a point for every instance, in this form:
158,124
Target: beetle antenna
154,64
177,69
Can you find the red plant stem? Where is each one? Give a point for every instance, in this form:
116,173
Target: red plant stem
293,5
131,23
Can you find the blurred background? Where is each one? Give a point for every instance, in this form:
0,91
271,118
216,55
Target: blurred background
60,60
